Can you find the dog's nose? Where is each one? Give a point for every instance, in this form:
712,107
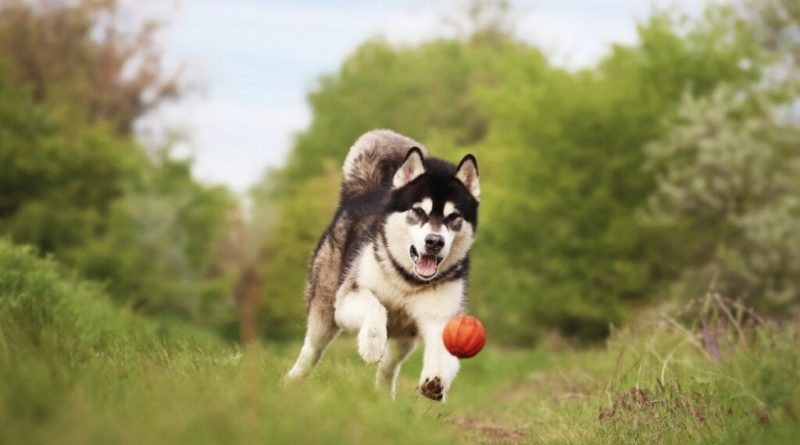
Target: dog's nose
434,243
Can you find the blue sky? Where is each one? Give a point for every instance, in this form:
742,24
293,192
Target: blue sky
256,60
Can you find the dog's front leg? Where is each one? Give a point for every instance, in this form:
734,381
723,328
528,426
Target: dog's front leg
358,309
439,367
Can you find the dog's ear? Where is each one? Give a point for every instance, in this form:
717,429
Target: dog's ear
467,173
410,169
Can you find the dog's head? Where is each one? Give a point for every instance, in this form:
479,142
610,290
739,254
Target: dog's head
434,213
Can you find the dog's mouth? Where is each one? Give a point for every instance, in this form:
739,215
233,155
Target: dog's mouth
425,265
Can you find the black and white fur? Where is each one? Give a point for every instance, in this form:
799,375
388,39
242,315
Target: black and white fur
392,266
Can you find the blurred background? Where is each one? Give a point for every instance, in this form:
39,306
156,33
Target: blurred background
187,155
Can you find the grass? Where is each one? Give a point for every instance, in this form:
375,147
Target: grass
76,370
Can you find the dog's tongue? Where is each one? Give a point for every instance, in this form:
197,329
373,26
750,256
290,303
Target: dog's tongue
426,265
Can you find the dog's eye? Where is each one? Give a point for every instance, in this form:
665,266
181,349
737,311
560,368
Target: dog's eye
454,221
420,213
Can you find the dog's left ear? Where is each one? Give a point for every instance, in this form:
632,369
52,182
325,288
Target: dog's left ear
467,173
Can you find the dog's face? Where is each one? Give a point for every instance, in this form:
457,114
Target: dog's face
434,214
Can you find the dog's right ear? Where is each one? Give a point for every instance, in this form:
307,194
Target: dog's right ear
411,168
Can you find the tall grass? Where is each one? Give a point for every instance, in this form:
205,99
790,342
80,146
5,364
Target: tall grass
712,372
74,369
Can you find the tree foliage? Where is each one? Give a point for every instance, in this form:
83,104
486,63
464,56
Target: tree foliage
74,182
563,158
728,194
83,52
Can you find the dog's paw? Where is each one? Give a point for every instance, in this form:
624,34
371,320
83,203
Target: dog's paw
372,343
293,374
432,388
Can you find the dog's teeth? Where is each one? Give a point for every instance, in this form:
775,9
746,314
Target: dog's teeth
414,254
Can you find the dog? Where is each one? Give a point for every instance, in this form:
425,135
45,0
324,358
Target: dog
393,264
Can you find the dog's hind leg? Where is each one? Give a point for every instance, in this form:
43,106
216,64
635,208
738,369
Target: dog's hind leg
320,331
397,350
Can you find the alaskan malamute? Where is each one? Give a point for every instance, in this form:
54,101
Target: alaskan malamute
393,264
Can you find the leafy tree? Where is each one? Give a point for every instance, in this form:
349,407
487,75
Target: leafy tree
571,179
776,27
74,182
374,85
70,52
57,181
728,193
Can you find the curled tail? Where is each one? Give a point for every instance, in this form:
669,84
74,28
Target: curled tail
373,159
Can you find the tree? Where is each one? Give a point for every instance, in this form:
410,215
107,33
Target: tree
728,194
776,27
82,52
75,183
566,155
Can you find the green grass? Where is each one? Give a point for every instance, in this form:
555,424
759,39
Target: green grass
76,370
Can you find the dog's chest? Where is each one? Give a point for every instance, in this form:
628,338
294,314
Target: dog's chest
372,275
398,301
407,304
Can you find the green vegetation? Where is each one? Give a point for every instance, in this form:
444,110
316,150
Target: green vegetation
74,369
604,189
74,182
633,212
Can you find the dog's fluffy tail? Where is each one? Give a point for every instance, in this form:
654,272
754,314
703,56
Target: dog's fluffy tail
373,159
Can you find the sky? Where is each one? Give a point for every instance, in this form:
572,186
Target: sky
253,62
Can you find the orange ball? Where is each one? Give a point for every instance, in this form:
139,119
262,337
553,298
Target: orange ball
464,336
